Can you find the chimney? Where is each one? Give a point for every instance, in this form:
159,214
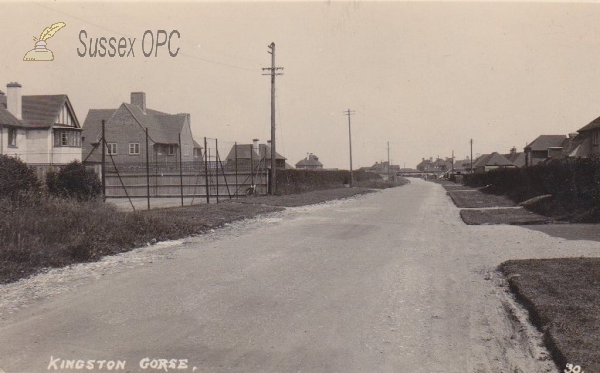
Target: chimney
255,145
2,100
513,150
14,99
139,99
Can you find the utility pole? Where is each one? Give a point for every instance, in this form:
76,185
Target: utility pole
350,113
272,72
388,144
471,155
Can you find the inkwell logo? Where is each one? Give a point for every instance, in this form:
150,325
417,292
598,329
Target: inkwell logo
40,52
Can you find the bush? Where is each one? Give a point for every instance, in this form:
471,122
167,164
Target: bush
16,178
74,181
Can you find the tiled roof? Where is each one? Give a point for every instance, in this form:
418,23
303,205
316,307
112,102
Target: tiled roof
162,128
39,111
595,124
577,146
311,160
518,159
92,126
7,119
493,159
243,152
544,142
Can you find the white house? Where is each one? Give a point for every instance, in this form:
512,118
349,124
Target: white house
39,129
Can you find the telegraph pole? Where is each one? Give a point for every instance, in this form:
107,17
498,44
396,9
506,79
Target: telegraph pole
350,113
272,72
388,144
471,155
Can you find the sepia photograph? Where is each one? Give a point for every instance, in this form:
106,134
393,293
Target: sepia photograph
300,186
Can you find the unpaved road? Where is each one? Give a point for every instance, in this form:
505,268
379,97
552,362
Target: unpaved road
388,282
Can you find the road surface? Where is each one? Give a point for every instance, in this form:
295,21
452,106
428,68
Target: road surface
387,282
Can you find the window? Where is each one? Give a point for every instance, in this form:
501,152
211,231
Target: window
12,137
197,153
67,138
596,138
111,148
134,148
64,138
171,150
186,150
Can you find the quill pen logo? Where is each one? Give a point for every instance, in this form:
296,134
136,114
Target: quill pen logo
40,52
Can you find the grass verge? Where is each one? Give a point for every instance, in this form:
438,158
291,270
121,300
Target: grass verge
42,232
561,296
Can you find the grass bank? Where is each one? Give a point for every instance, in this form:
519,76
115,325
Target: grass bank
562,298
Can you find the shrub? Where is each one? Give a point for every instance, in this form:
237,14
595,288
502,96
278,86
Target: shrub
16,178
74,181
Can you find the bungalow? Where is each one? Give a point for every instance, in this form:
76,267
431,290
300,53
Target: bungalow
255,153
311,162
487,162
40,129
544,147
125,132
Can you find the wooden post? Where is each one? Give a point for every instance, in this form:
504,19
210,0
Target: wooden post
180,171
237,187
217,167
206,172
147,170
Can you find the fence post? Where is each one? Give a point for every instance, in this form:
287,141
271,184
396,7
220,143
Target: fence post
237,187
103,144
206,172
147,170
252,165
180,171
217,167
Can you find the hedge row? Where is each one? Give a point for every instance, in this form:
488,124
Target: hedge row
300,181
574,183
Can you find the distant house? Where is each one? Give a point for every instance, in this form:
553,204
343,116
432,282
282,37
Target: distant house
586,142
544,147
125,132
311,162
462,165
438,166
255,153
487,162
39,129
517,158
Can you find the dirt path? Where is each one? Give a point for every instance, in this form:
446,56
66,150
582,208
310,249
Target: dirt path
388,282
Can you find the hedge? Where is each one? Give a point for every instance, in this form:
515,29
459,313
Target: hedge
300,181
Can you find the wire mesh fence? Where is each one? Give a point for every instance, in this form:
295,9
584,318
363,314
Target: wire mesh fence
221,170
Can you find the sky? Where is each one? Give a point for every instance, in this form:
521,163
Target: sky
424,76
